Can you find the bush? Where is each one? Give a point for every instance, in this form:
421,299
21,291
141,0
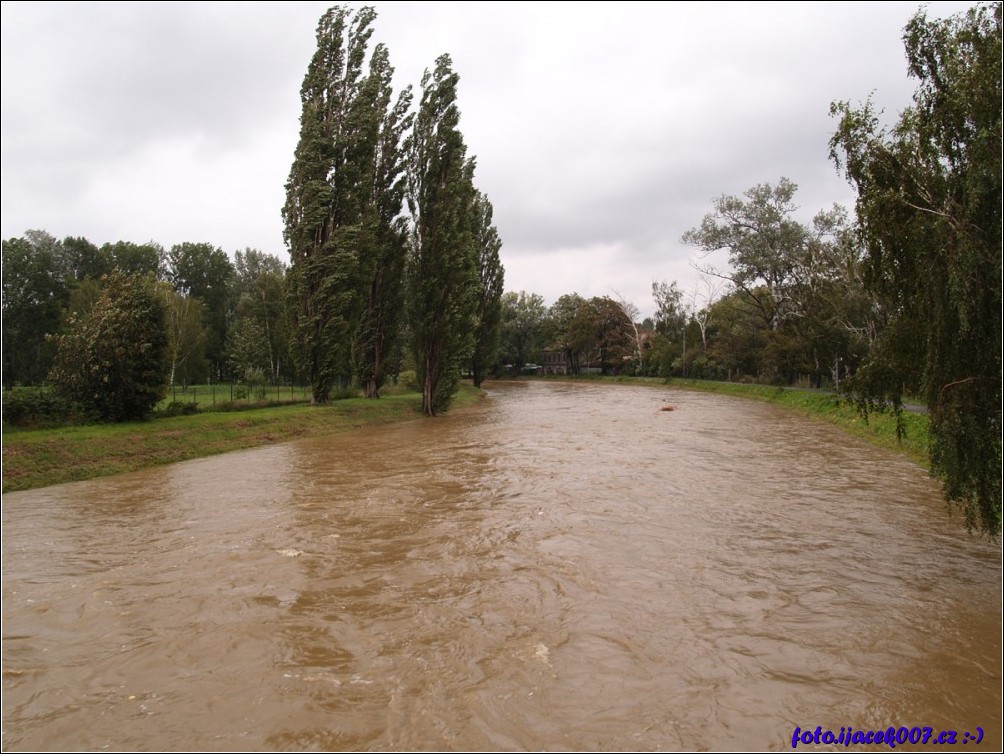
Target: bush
114,359
40,408
409,378
179,408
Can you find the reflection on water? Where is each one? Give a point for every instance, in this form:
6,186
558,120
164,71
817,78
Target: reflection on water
564,567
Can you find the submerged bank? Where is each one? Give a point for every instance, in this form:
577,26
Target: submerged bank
38,458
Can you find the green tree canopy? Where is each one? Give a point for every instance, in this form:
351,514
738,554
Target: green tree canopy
764,241
522,328
260,294
36,280
133,258
115,359
558,333
343,198
491,283
443,264
206,272
929,207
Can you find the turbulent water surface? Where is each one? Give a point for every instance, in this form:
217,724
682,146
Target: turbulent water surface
563,567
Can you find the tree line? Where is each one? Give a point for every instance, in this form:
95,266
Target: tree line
366,281
395,264
902,300
219,319
791,307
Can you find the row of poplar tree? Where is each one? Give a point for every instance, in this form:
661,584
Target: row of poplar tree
363,274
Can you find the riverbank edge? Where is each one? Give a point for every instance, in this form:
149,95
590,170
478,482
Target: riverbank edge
39,458
879,429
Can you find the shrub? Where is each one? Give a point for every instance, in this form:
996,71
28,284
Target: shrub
40,408
114,360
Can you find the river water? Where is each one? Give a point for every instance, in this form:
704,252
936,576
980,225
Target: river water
562,567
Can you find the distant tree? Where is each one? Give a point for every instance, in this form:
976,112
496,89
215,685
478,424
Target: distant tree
784,271
670,315
260,294
602,334
114,360
86,260
738,337
247,350
443,266
929,207
614,335
206,272
705,294
633,315
522,328
83,295
491,277
134,259
186,334
764,241
557,328
36,287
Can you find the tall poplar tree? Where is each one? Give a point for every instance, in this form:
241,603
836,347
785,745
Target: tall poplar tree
491,282
384,293
443,265
342,198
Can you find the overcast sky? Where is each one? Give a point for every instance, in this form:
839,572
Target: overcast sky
602,131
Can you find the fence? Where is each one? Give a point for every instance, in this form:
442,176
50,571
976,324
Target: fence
209,396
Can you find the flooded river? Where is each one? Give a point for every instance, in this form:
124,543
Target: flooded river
562,567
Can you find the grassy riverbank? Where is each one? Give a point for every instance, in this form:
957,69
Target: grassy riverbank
36,458
880,429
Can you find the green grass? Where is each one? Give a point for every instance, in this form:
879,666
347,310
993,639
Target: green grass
36,458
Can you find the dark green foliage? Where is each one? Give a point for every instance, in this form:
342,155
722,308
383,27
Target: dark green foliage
132,258
205,272
178,408
343,197
491,277
522,328
602,334
929,206
35,290
37,408
557,329
323,197
86,260
114,360
800,284
261,296
443,266
383,297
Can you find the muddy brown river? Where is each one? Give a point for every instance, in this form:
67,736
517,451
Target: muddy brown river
563,567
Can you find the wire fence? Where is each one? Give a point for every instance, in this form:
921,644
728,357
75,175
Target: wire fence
231,394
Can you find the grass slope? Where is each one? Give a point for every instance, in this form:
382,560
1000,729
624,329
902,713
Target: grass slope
36,458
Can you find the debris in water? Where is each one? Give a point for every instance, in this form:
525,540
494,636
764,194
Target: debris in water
290,552
542,653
